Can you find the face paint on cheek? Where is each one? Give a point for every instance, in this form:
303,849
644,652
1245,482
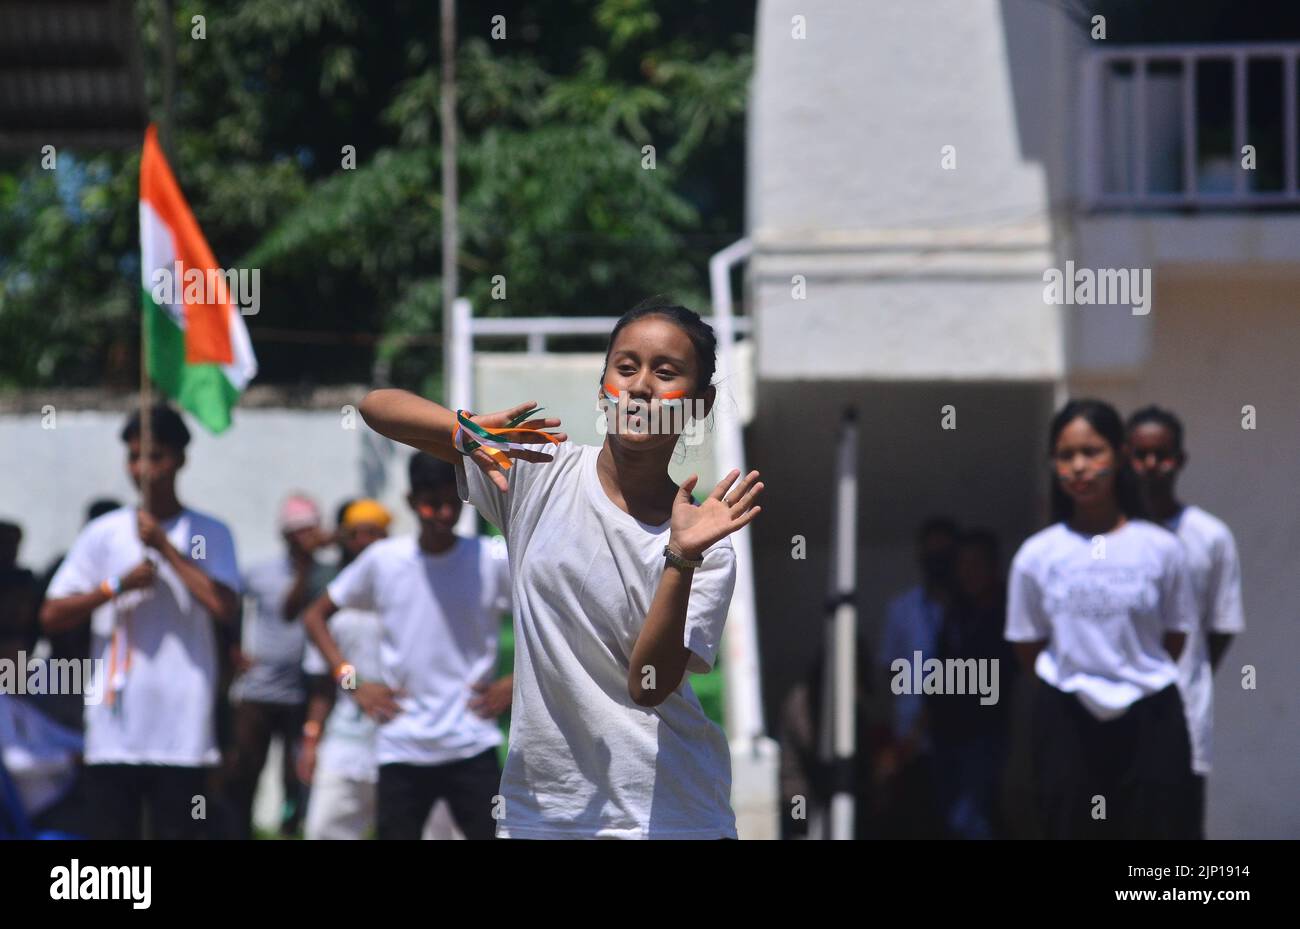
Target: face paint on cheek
664,413
1065,474
424,511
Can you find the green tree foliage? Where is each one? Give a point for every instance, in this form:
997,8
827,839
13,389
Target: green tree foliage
554,122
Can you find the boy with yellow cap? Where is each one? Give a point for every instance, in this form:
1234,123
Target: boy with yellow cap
338,745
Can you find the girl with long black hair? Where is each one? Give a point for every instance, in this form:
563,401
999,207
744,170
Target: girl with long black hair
1099,605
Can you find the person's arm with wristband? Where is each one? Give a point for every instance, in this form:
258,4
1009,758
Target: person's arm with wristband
63,613
316,621
319,704
376,700
221,602
423,424
659,657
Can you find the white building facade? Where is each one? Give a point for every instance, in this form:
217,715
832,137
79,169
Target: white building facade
915,169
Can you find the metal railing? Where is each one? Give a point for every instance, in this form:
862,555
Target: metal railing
1156,135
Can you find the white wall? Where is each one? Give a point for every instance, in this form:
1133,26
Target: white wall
910,270
847,124
921,329
1111,340
1225,340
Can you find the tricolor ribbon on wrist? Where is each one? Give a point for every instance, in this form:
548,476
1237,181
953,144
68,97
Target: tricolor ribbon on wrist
491,439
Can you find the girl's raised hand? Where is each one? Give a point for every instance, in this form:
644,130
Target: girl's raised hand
501,420
695,528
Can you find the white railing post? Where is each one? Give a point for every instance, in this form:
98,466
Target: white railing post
844,629
755,757
460,382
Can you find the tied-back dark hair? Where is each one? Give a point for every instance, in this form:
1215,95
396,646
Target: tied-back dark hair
697,330
1106,421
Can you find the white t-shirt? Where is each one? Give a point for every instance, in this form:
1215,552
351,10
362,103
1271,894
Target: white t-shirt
347,745
584,760
274,644
440,616
1216,583
164,714
1103,612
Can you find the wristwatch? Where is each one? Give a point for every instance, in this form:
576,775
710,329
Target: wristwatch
679,561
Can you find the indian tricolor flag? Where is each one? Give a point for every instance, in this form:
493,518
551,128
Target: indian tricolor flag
197,346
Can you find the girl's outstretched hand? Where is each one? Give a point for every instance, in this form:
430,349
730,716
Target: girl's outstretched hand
499,421
695,528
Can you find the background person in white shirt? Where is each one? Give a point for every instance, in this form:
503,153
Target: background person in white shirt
337,756
439,598
1099,606
1156,439
621,586
152,584
269,696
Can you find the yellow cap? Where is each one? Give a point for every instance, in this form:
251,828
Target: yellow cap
367,511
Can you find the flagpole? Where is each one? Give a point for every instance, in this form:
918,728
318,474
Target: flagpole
167,37
146,421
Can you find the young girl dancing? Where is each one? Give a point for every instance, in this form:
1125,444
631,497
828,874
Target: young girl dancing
621,585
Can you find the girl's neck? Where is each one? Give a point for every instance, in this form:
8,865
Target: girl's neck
641,478
1098,518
